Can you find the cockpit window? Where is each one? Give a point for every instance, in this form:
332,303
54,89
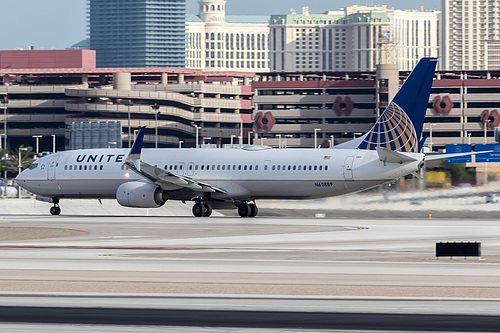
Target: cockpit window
33,166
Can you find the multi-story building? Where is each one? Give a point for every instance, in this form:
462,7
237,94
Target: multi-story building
298,109
182,104
216,41
471,34
138,33
353,39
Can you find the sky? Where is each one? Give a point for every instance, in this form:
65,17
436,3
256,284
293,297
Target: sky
58,24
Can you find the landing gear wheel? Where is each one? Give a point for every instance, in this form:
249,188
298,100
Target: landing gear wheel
244,210
55,210
253,210
208,209
199,209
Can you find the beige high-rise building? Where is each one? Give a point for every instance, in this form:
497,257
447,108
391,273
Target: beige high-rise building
354,38
471,34
219,42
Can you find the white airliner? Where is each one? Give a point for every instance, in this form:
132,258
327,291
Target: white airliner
225,178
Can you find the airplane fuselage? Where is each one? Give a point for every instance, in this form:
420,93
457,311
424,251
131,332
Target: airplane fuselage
244,174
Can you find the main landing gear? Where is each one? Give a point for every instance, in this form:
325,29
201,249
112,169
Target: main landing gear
248,209
55,210
202,208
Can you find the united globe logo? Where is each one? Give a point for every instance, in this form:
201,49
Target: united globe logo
393,130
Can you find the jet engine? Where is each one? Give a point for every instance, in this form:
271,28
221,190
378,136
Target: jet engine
140,195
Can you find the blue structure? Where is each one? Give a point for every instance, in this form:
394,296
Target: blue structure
452,149
138,33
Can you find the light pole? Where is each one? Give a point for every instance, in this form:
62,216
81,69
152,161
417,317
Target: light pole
332,141
111,143
196,127
279,142
129,104
53,143
5,177
249,137
486,124
20,166
468,138
232,138
155,108
431,125
5,101
316,137
37,137
180,143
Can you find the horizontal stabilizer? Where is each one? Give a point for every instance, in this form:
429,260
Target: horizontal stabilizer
441,156
390,156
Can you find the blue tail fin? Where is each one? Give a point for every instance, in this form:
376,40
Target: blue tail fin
399,128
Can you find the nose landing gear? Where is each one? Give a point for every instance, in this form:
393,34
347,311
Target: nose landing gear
55,210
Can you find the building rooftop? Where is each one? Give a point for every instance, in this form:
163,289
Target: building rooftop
233,19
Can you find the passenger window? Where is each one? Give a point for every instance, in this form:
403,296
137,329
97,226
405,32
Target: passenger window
279,167
190,167
166,167
65,167
310,167
223,167
326,167
289,167
175,167
294,167
196,167
299,167
95,167
228,167
234,167
274,167
213,167
320,168
239,167
101,167
265,167
250,167
81,167
84,167
180,167
315,167
70,167
257,167
245,167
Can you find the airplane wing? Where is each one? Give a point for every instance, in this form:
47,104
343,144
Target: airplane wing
166,180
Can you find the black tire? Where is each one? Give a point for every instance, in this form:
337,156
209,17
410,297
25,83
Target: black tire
208,209
55,210
198,209
254,210
244,210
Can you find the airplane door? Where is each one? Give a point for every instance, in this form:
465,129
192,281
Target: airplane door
180,169
51,170
349,161
190,169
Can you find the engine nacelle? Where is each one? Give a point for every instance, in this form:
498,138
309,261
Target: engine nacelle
140,195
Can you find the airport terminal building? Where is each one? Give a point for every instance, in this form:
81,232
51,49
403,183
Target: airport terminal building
277,109
43,101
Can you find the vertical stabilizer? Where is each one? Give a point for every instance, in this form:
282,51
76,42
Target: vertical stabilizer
399,128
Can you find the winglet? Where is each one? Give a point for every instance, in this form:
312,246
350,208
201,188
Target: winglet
134,156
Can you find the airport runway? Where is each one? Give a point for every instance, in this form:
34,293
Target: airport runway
262,258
